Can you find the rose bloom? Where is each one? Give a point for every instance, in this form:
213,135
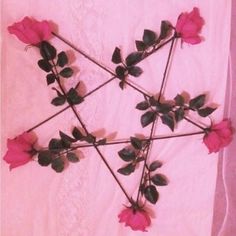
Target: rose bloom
31,31
137,219
189,26
219,136
20,150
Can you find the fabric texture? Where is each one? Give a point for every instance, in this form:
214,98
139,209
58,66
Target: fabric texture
84,200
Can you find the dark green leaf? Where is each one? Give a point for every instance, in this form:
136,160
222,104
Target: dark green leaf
153,101
155,165
127,154
58,101
136,143
55,145
159,180
77,134
66,72
165,29
147,118
151,194
168,120
127,170
50,78
58,165
140,45
72,157
62,59
133,58
149,37
179,100
45,158
90,138
163,108
44,65
197,102
116,56
142,106
102,141
139,159
73,97
47,51
206,111
120,72
135,71
66,137
179,114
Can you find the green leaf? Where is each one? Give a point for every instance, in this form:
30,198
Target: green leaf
197,102
47,51
66,137
58,164
66,72
159,180
50,78
153,101
73,97
127,170
142,106
77,134
127,154
62,59
147,118
120,72
72,157
206,111
179,100
168,120
135,71
155,165
149,37
45,157
133,58
163,108
44,65
140,45
102,141
55,145
151,194
136,143
58,101
90,138
179,114
116,56
165,29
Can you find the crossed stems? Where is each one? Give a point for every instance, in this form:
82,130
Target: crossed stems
94,90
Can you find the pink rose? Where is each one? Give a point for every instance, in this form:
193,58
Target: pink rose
31,31
219,136
137,219
20,150
189,26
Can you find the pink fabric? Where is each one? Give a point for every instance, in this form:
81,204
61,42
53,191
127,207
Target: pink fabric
84,199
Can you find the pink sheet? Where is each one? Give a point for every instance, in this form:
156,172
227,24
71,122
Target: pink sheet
84,199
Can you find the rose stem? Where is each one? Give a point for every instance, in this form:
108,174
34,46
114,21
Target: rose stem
128,141
86,131
154,122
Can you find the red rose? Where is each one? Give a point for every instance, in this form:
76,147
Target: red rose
31,31
219,136
189,26
20,150
137,219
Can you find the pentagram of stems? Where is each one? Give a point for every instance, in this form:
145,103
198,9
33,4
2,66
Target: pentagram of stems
101,66
128,141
